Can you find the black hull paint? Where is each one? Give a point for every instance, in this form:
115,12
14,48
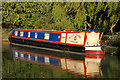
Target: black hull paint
48,45
46,52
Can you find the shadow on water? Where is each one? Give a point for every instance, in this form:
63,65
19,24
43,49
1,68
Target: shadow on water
28,62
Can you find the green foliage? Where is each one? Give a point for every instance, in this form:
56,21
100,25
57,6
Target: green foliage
62,15
115,40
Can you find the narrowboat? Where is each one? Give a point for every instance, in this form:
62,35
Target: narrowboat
78,64
80,41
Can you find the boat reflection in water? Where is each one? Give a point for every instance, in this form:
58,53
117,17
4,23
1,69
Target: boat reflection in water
86,65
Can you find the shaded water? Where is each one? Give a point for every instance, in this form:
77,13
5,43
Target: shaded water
26,62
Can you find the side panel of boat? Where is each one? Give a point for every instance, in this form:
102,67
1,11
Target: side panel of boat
66,38
37,35
76,38
47,44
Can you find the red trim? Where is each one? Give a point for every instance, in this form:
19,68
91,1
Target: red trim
99,69
46,41
99,38
66,39
85,38
60,37
94,56
60,64
66,63
16,50
46,31
94,52
26,52
85,69
38,30
54,31
92,31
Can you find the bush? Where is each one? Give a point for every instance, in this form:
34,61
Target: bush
115,40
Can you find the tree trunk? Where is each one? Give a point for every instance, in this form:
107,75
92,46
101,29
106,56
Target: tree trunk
113,25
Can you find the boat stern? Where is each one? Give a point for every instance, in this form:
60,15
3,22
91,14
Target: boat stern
93,43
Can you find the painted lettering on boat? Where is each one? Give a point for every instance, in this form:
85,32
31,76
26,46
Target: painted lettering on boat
75,38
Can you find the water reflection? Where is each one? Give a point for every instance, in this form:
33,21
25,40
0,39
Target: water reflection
87,65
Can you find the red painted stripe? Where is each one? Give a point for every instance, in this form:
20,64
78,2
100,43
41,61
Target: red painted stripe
54,31
66,38
16,50
66,63
60,64
94,52
94,56
38,30
85,38
47,41
99,38
85,69
60,37
99,69
92,31
46,31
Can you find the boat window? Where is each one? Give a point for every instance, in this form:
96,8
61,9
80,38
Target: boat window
46,36
58,37
21,33
28,34
35,35
16,33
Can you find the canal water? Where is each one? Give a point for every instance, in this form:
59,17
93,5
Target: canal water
28,62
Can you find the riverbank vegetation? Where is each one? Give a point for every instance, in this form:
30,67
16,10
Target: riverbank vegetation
115,41
5,34
62,15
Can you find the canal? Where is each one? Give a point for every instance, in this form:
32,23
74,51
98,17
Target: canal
28,62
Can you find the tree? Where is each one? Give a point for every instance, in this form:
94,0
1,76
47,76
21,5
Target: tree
62,15
113,14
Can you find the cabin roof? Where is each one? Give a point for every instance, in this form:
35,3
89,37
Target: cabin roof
54,31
